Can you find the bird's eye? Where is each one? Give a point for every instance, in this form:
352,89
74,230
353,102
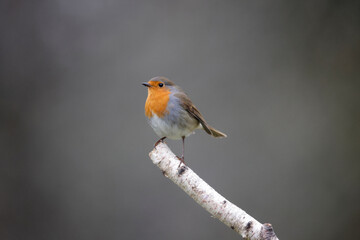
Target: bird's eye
161,84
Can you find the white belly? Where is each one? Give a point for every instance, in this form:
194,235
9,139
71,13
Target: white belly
173,131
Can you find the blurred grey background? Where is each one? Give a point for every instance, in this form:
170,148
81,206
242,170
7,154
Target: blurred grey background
280,78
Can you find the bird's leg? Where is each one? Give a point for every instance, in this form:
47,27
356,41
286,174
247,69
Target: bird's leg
159,141
182,156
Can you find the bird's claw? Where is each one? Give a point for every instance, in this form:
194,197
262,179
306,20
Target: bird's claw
161,140
181,159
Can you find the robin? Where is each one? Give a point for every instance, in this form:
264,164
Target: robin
171,113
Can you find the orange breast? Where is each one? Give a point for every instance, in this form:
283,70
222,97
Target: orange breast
156,103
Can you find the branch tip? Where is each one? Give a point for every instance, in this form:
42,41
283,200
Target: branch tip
219,207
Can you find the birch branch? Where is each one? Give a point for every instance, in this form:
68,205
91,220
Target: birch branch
219,207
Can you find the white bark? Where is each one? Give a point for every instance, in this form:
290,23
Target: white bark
219,207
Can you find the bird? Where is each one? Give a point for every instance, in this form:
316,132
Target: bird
171,114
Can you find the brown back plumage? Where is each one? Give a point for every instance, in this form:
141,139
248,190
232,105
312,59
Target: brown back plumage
193,111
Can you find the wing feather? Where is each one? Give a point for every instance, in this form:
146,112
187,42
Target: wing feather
192,110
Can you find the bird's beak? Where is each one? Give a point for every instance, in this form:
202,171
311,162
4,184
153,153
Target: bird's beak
146,84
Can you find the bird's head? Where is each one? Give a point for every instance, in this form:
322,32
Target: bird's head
158,85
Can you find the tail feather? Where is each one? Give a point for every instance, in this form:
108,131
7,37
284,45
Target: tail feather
216,133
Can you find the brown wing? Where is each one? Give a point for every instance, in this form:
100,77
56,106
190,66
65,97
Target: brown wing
192,110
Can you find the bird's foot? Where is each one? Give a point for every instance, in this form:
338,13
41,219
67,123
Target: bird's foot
159,141
181,160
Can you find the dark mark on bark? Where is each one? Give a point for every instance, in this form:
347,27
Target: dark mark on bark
232,227
224,201
248,226
267,231
182,170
